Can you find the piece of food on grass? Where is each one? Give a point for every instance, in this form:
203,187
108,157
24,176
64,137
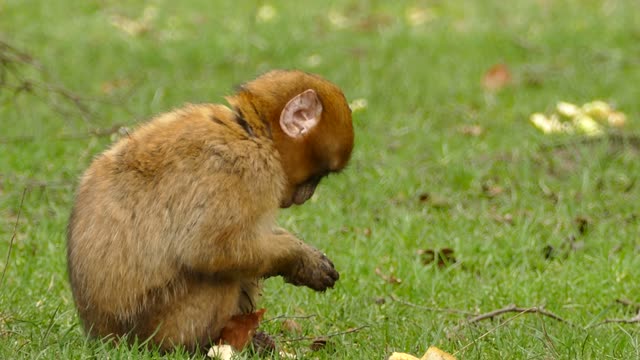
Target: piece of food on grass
221,352
433,353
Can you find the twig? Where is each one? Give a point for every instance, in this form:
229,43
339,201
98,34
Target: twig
308,338
428,308
487,333
509,309
13,237
514,308
289,317
633,320
628,302
31,183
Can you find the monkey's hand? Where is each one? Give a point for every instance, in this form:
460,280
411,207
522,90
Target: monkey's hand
313,269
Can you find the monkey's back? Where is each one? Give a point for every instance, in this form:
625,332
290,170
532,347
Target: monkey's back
145,207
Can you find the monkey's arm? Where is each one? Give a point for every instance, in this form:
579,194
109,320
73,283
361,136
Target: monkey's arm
272,253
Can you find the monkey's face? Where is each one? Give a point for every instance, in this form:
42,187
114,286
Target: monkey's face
312,128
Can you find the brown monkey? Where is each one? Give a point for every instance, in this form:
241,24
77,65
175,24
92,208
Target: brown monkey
174,226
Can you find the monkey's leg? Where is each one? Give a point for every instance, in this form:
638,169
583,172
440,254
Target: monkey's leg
192,318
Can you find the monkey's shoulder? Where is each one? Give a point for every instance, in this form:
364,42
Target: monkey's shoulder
195,139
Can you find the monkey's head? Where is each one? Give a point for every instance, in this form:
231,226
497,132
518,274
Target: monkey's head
310,123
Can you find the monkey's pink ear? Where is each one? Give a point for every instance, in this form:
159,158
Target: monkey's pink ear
301,114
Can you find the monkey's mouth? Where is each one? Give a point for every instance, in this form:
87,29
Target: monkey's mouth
285,204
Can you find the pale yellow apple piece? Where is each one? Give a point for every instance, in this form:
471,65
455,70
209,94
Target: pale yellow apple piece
433,353
402,356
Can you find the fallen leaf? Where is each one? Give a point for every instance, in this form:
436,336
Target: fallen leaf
548,252
240,329
318,344
496,78
109,87
504,219
492,190
471,130
291,326
443,256
583,224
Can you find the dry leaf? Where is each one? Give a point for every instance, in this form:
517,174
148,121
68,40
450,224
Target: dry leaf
492,190
471,130
291,326
318,344
443,256
240,329
109,87
496,78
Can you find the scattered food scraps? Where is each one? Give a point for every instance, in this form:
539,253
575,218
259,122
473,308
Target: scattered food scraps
591,118
433,353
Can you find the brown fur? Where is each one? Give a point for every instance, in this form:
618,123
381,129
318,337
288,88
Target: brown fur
174,226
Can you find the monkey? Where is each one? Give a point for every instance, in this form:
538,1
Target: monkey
173,228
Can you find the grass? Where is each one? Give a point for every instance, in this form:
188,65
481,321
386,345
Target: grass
416,181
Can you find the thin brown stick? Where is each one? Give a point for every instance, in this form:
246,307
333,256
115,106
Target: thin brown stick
627,302
487,333
289,317
509,309
13,237
633,320
429,308
514,308
311,338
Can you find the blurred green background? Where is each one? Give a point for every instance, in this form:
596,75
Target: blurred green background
442,161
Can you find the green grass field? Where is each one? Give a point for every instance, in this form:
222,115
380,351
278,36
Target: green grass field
533,219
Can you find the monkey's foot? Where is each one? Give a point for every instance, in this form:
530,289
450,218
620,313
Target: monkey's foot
263,343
